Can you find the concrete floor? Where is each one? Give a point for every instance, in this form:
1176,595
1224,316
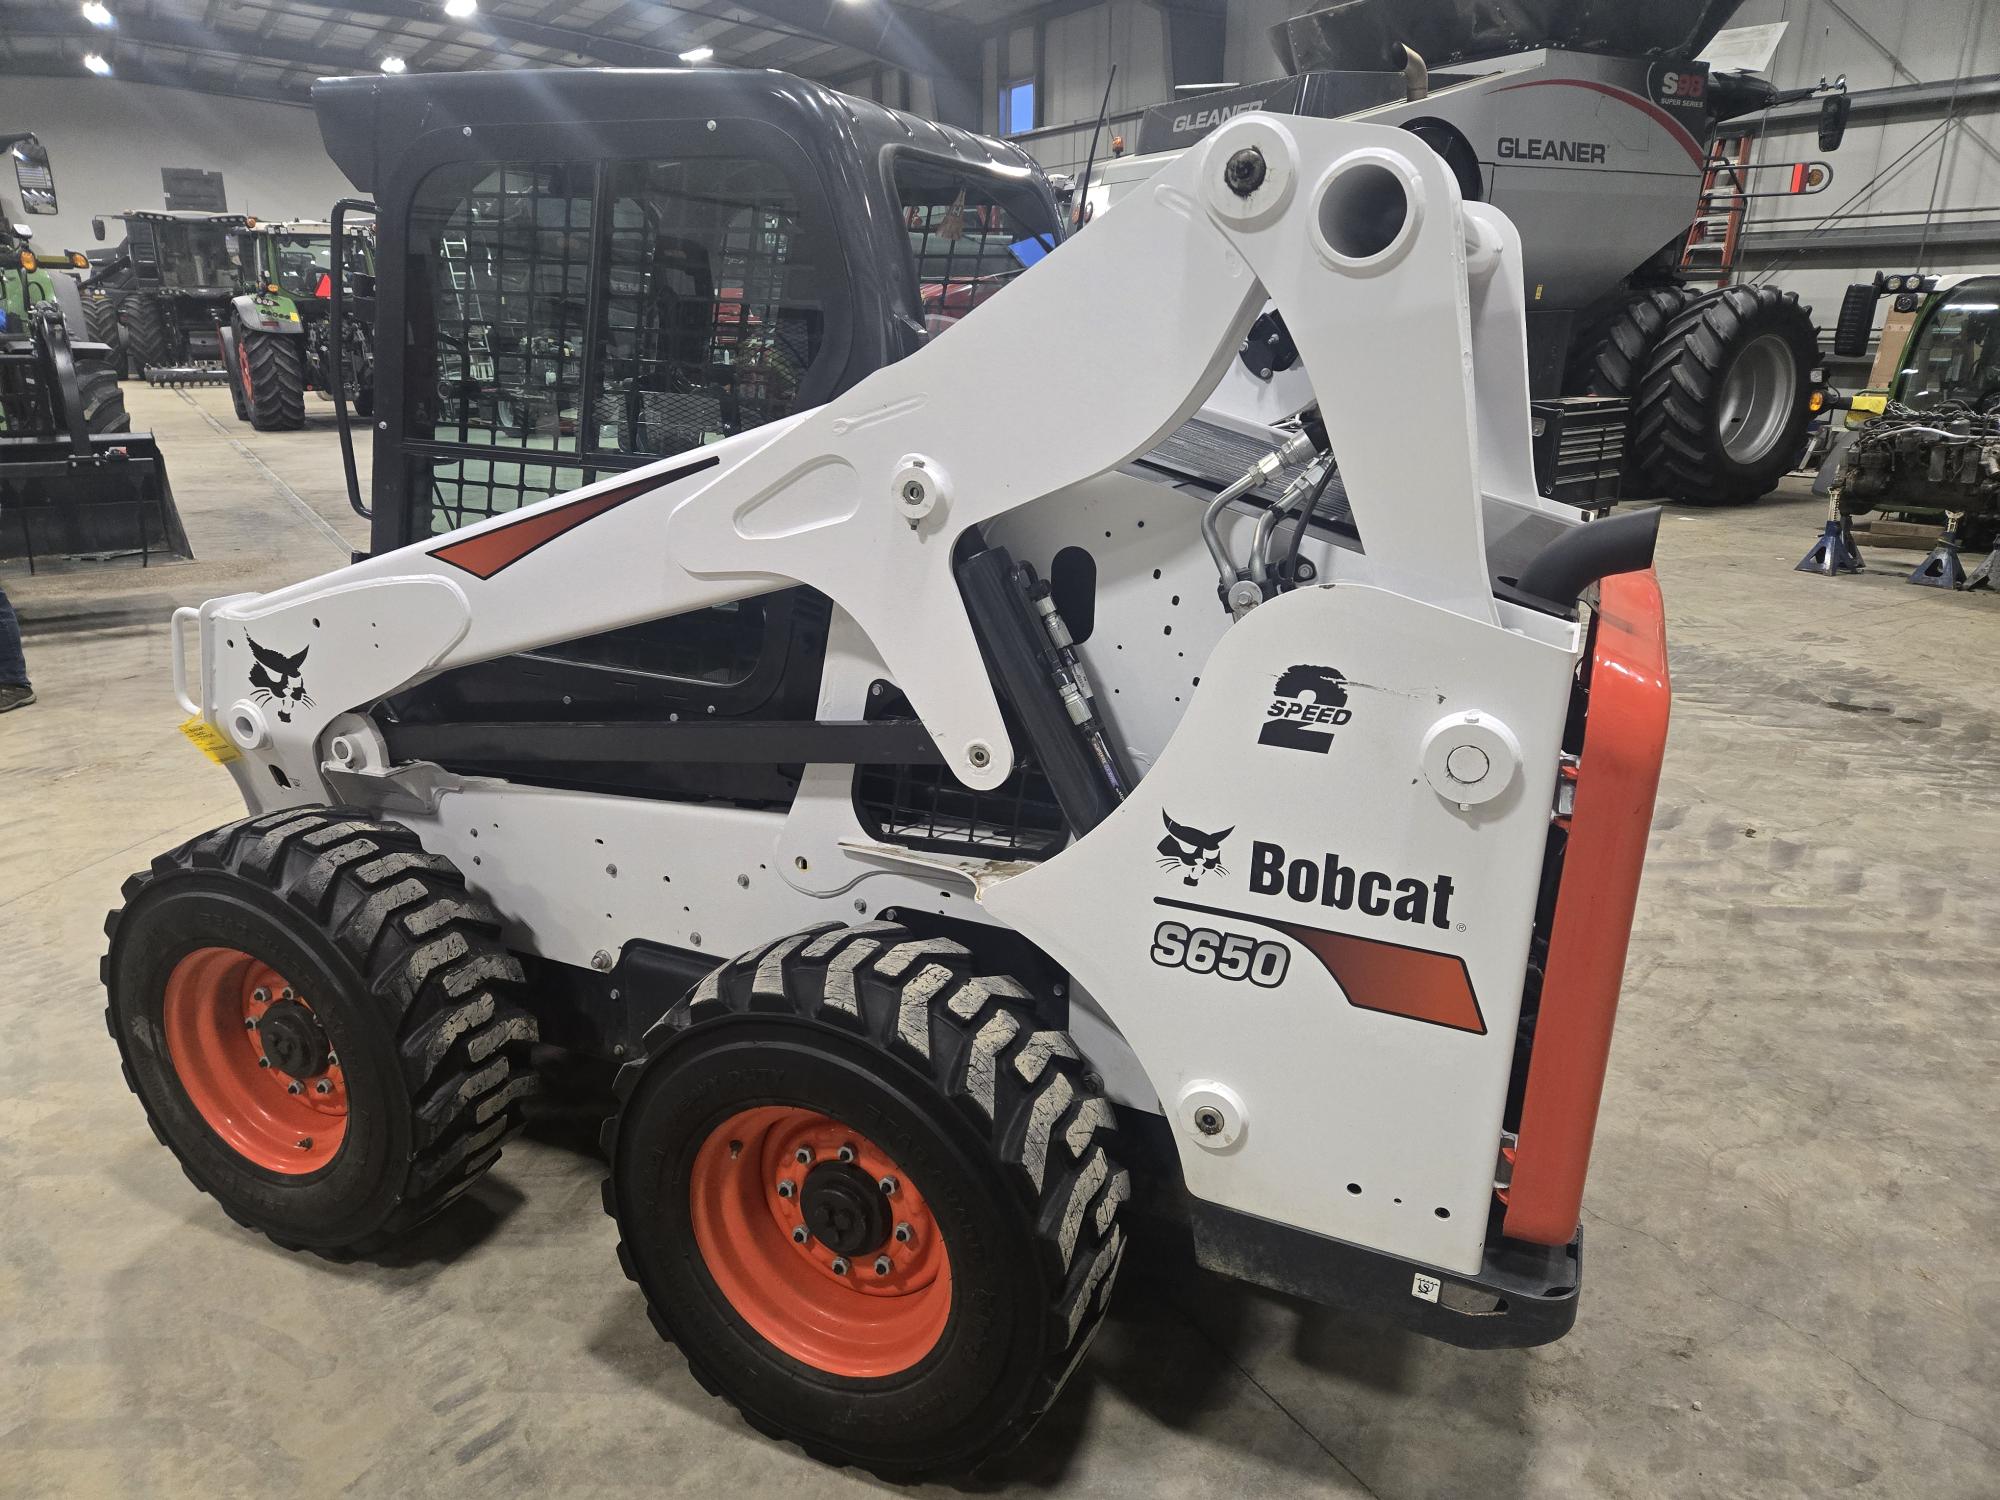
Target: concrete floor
1793,1287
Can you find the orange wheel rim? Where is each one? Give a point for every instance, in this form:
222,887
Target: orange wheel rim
243,364
250,1054
792,1241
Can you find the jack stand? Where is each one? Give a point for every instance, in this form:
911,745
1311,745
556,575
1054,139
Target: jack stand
1942,569
1834,553
1986,575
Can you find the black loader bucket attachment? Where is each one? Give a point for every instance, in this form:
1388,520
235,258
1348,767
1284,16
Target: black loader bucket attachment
64,489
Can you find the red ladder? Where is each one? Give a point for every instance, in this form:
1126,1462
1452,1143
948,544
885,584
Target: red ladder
1717,231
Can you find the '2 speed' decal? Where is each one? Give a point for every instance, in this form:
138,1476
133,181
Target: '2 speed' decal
1231,955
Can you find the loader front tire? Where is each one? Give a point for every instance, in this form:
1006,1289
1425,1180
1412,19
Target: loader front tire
272,368
870,1196
321,1024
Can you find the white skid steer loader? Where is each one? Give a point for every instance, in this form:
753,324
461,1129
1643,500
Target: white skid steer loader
1323,918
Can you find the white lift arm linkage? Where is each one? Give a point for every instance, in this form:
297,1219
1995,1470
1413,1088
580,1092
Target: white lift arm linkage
1404,302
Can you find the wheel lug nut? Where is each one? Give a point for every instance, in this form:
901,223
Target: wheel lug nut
803,1156
785,1188
800,1234
882,1265
324,1086
840,1265
887,1184
263,1062
305,1143
904,1234
847,1153
261,995
295,1087
250,1023
285,993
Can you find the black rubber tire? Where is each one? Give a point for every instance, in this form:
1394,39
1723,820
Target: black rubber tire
1608,356
990,1115
227,337
103,401
1676,442
143,332
409,979
100,325
276,395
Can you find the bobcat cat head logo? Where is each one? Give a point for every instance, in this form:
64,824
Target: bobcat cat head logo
279,679
1192,851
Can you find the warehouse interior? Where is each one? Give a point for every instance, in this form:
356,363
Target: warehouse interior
701,1002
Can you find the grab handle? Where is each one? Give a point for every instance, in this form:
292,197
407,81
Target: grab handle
179,652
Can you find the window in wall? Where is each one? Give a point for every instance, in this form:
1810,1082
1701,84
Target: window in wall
1017,106
711,310
970,234
501,264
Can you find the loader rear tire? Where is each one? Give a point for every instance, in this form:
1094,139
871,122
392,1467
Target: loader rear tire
1721,408
388,1056
143,332
272,367
952,1271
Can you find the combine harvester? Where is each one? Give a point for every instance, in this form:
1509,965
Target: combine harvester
1595,128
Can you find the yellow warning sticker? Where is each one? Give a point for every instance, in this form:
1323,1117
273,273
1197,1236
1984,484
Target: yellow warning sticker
210,741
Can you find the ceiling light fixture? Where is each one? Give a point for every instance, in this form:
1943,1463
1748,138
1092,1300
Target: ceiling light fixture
393,65
698,54
96,64
458,10
98,15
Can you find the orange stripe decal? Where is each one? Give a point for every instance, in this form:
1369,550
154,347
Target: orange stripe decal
1417,983
486,552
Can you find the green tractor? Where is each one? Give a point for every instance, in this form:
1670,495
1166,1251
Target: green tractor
171,284
279,341
74,478
1925,447
26,283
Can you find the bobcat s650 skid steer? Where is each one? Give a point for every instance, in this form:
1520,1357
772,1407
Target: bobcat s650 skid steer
1041,821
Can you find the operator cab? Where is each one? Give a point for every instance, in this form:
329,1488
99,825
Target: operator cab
587,271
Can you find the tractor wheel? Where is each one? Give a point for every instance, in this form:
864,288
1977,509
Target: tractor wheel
872,1200
100,326
1721,409
143,331
320,1023
103,401
272,368
1612,351
232,369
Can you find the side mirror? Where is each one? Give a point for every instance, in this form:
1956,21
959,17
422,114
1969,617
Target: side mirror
34,176
97,227
1857,318
1833,111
